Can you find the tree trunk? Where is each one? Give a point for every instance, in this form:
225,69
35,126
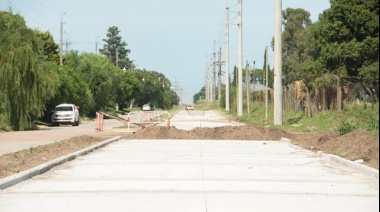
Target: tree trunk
339,98
309,114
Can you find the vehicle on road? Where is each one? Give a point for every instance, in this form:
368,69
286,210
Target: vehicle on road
189,107
147,107
67,114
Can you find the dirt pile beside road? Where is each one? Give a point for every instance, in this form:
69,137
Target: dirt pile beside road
219,133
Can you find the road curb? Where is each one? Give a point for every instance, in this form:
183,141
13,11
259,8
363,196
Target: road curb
351,164
342,161
27,174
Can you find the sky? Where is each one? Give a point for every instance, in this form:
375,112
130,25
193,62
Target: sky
173,37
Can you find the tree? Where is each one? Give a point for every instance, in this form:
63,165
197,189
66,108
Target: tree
51,52
155,89
348,37
72,89
115,48
200,95
270,72
294,49
26,80
127,87
99,74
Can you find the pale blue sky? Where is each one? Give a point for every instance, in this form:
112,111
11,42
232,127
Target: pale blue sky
173,37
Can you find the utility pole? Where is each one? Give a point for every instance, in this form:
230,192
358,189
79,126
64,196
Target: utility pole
278,63
206,80
227,59
240,61
61,42
211,81
254,76
67,45
247,82
266,84
220,75
214,79
96,45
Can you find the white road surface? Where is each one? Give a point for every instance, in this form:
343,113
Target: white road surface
196,176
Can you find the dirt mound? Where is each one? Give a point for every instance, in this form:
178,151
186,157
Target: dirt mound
219,133
13,163
355,145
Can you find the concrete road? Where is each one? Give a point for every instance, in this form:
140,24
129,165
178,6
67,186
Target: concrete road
187,120
196,176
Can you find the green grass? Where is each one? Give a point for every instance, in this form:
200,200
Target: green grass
353,116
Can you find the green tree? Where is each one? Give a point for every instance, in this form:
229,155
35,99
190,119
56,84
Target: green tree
99,74
294,47
155,89
127,87
51,52
200,95
26,80
72,89
115,46
348,37
270,72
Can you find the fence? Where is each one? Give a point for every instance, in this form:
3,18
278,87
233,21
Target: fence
297,97
148,120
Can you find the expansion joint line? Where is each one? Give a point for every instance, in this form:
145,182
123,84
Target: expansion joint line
203,177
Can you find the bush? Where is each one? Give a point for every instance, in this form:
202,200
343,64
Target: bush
372,124
346,127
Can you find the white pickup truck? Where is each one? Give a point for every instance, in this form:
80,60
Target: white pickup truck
65,114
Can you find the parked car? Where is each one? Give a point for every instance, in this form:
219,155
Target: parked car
65,114
147,107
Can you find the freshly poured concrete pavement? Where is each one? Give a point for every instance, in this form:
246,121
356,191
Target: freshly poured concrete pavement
196,176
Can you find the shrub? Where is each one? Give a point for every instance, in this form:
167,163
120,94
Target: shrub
346,127
372,124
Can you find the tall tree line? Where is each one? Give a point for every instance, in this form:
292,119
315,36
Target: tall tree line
342,47
33,82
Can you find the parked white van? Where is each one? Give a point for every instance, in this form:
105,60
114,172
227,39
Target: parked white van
65,114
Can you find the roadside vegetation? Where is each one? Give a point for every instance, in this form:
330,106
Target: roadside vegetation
356,116
333,64
34,79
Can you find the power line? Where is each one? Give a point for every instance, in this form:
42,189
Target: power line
29,17
37,12
59,12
